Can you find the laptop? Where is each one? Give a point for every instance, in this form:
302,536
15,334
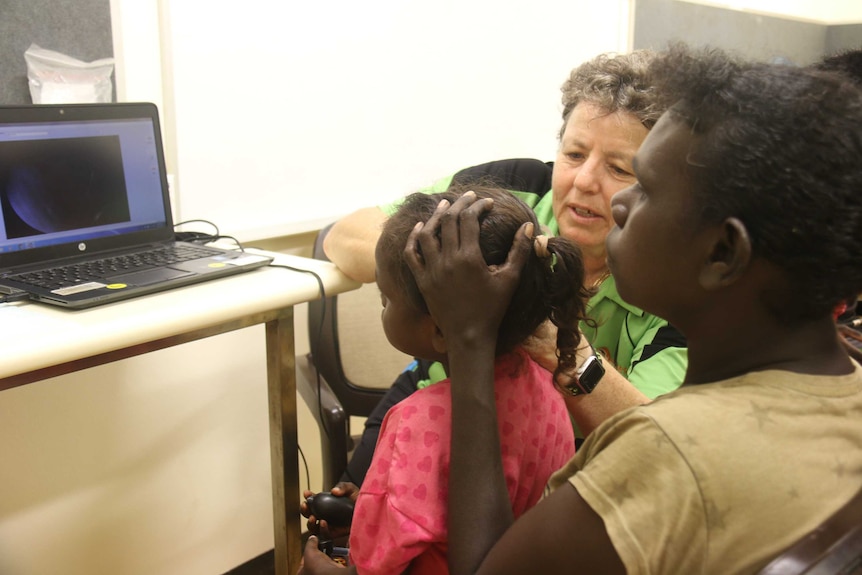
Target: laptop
85,215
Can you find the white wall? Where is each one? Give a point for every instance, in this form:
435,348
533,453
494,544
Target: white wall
160,464
293,113
821,11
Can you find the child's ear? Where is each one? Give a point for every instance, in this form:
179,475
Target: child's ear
729,255
438,341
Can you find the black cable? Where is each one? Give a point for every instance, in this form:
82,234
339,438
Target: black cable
207,238
202,237
317,337
305,464
233,239
196,237
209,223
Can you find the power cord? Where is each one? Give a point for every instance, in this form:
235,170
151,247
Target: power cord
317,337
203,237
305,464
207,222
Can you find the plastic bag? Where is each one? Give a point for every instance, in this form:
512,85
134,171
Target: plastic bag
56,78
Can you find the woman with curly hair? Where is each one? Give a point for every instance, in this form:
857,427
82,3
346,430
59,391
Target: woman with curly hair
730,233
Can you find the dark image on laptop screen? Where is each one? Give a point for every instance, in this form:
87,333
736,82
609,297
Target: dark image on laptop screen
49,186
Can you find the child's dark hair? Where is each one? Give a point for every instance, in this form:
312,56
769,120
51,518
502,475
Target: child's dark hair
551,286
779,148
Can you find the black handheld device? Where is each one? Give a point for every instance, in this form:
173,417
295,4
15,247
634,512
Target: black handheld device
336,511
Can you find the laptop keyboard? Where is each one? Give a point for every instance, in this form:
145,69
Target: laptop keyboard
95,270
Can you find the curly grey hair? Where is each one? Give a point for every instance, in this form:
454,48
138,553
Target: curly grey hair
614,82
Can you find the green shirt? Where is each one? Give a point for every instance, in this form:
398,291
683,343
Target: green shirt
643,347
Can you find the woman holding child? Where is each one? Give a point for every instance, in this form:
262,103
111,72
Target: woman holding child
730,234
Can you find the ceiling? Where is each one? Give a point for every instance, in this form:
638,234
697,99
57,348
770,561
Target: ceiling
829,12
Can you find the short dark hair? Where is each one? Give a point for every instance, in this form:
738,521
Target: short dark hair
549,288
779,148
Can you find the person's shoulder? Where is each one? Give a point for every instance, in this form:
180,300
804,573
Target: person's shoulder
416,406
518,174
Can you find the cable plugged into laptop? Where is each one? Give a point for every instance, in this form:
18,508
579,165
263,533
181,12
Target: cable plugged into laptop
13,295
197,237
202,237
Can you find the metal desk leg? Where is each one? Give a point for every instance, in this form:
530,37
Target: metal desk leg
283,440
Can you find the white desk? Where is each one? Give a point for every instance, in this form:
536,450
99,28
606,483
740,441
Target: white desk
64,341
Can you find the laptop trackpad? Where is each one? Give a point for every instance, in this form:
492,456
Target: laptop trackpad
147,277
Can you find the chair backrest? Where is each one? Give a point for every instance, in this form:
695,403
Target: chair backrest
348,345
833,548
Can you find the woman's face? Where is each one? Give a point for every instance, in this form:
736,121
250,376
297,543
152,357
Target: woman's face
657,249
593,163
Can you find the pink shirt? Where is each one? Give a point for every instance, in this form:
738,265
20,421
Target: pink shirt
400,515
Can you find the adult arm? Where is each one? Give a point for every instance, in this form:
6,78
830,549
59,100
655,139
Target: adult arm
562,534
351,241
613,394
467,300
651,356
479,509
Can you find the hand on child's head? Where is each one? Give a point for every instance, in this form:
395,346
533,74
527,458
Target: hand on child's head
463,294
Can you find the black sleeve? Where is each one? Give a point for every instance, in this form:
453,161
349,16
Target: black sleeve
522,175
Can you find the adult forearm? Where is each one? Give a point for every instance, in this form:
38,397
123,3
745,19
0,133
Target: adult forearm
351,242
613,394
479,507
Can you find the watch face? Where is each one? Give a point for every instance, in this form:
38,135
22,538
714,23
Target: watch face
587,379
591,375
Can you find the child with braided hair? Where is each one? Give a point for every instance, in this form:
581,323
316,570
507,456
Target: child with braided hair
400,515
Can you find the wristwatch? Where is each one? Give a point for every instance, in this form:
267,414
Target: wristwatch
587,377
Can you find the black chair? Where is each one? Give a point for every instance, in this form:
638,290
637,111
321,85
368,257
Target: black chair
349,368
833,548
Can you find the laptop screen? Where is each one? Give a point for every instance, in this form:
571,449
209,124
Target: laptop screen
80,179
76,181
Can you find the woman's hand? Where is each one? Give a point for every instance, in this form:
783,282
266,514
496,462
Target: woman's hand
466,297
541,345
